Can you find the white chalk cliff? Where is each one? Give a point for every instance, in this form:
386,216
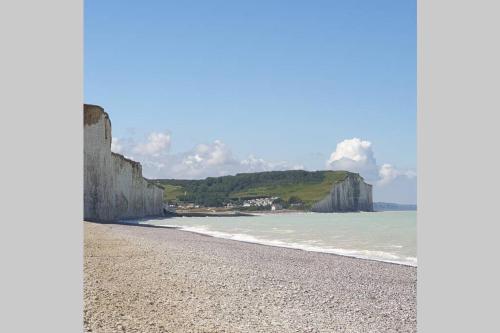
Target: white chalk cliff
114,187
350,195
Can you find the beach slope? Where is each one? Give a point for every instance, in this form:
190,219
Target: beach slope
144,279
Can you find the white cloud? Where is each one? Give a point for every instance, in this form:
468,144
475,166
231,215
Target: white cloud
217,159
157,143
402,189
215,154
353,149
204,160
388,173
116,145
357,155
254,164
354,155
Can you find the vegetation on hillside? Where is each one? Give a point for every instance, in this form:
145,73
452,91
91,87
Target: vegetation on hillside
293,187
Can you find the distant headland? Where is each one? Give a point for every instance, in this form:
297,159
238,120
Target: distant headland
317,191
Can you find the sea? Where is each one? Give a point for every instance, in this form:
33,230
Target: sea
389,236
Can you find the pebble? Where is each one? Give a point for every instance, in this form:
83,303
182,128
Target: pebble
142,280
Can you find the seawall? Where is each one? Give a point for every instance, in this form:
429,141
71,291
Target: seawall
114,187
350,195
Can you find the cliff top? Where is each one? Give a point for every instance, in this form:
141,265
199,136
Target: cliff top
92,114
136,165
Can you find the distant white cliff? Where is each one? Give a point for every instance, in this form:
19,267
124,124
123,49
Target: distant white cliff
114,187
350,195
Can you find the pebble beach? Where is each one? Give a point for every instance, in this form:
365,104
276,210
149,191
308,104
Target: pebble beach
155,279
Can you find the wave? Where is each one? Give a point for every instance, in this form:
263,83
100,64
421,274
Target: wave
361,254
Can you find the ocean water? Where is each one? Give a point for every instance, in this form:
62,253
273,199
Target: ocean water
382,236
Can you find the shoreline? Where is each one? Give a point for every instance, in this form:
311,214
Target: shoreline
263,243
257,241
140,278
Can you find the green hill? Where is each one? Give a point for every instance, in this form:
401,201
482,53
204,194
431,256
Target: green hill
293,186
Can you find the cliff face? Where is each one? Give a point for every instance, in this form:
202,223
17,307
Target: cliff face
113,185
349,195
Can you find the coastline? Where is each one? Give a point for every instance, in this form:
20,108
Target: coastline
160,279
252,240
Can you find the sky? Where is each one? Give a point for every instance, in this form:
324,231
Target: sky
208,88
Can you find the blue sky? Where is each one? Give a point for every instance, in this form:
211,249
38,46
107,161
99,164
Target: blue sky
278,84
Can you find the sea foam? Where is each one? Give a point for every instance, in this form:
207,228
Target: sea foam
360,254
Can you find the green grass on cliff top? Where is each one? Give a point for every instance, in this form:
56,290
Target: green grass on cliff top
172,192
309,193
